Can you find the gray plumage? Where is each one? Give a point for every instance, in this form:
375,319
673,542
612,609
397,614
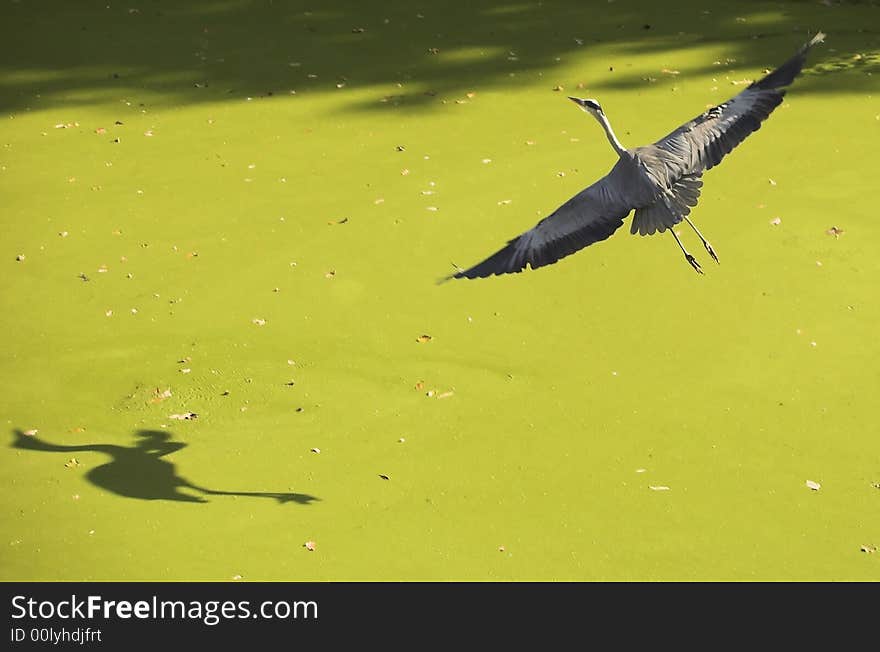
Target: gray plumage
661,182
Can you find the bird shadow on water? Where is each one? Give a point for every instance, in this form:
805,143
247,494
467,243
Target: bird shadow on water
139,471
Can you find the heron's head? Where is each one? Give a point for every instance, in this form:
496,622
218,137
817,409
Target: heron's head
589,105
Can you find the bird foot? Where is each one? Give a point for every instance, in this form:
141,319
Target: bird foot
711,252
693,262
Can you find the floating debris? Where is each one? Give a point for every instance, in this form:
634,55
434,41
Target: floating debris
868,549
258,321
310,546
72,463
186,416
422,339
160,396
815,486
658,487
835,232
384,477
776,221
31,433
316,450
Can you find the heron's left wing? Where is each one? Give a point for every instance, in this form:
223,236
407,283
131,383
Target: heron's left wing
590,216
701,143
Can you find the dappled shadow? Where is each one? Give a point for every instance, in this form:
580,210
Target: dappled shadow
140,472
401,53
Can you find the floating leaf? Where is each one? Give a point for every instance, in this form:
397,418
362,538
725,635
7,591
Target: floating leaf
258,321
815,486
835,232
310,546
659,487
868,549
384,477
422,339
31,433
71,463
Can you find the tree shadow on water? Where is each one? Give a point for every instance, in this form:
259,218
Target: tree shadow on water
140,472
407,55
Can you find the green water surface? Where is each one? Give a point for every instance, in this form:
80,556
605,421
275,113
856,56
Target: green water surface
240,210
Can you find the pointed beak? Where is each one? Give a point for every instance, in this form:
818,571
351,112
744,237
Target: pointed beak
576,100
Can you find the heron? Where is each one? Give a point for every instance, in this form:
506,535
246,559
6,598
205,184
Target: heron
661,182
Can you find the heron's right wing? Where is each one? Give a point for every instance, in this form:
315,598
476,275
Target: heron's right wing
701,143
590,216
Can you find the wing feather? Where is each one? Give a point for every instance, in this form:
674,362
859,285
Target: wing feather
701,143
590,216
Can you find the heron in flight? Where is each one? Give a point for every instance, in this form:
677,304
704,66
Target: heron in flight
661,182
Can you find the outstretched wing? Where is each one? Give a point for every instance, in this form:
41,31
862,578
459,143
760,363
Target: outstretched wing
701,143
590,216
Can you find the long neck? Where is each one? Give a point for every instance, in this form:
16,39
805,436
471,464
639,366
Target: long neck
620,149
